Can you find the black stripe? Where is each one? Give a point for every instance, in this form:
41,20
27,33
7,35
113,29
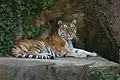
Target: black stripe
38,49
47,49
34,56
21,48
47,57
65,54
56,55
20,56
14,47
51,57
39,57
43,42
38,46
46,45
25,46
52,52
44,57
26,56
39,43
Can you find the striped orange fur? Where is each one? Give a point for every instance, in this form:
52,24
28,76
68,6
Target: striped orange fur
47,48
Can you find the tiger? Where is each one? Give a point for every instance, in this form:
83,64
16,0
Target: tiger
57,45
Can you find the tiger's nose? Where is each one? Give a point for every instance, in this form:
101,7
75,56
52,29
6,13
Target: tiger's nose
70,33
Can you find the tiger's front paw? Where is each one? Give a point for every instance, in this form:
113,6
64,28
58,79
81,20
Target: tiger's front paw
93,54
79,55
83,53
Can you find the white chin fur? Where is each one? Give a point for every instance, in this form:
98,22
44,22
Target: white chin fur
70,38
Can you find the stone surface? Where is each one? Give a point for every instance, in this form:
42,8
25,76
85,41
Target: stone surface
92,68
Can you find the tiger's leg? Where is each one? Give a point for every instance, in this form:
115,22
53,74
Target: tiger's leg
45,50
68,53
79,53
82,53
36,51
42,55
34,54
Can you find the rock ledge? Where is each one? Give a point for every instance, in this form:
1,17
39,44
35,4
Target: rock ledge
92,68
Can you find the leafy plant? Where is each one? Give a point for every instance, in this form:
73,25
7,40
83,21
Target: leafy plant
106,73
32,31
16,17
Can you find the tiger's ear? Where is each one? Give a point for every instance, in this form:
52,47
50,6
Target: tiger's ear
74,21
60,23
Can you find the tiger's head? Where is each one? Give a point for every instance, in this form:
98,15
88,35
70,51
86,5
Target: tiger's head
67,30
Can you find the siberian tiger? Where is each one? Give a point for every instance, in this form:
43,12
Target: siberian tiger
57,45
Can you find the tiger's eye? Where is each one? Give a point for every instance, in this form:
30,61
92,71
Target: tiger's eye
62,34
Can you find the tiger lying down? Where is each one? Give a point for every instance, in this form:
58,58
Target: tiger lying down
57,45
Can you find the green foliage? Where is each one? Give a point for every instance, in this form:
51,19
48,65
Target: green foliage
32,31
18,16
106,74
